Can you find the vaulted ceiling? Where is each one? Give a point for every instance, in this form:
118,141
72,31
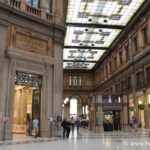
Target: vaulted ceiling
92,27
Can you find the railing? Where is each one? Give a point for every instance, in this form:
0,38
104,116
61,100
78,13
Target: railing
33,10
49,16
15,3
18,4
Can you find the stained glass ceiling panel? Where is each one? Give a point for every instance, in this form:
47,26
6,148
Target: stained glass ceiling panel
82,54
96,37
78,65
109,12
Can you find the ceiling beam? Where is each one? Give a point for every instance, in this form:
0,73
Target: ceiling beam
86,47
95,25
80,61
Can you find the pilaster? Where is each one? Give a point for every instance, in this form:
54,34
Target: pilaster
10,97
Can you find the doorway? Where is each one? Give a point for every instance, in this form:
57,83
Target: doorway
111,120
27,97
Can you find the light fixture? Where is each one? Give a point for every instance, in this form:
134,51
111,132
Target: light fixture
140,105
149,100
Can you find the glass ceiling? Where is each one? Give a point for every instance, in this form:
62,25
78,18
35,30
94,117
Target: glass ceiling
92,26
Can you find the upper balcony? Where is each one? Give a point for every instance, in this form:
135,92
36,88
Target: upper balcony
54,15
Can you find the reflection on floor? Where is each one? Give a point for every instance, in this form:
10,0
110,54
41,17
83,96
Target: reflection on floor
86,140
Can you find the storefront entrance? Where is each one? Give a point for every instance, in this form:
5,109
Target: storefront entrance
111,120
27,97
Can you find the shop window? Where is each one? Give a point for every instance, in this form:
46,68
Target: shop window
139,79
148,74
145,35
34,3
48,6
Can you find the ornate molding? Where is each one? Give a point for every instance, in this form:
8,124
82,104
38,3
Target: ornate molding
29,67
29,42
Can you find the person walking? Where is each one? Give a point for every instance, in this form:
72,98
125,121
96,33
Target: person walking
72,124
68,127
64,125
77,123
35,126
28,124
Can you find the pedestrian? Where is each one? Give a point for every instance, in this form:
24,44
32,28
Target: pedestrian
72,124
68,127
28,124
135,122
35,127
77,122
64,125
131,122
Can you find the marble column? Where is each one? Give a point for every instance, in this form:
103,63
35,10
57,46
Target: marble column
42,7
58,79
58,11
3,78
99,125
23,5
10,99
46,102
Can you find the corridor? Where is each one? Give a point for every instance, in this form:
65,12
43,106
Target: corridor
86,140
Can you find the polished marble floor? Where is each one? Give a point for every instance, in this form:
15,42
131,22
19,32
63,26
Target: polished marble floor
118,140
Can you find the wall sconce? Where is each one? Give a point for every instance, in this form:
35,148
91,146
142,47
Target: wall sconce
148,100
141,105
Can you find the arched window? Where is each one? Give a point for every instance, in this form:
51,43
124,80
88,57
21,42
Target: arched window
73,106
70,80
48,6
80,80
75,81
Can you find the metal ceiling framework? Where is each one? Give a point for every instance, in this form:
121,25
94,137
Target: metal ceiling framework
92,27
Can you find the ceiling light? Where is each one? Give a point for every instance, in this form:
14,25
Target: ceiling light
100,30
105,20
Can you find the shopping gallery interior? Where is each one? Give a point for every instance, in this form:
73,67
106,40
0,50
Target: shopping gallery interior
82,62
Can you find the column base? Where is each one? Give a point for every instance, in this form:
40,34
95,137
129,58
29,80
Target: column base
8,136
99,129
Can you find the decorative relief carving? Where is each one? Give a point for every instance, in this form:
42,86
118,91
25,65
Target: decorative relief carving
30,42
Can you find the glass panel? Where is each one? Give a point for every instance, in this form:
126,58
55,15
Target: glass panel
95,37
82,54
34,3
78,65
73,106
48,6
110,12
